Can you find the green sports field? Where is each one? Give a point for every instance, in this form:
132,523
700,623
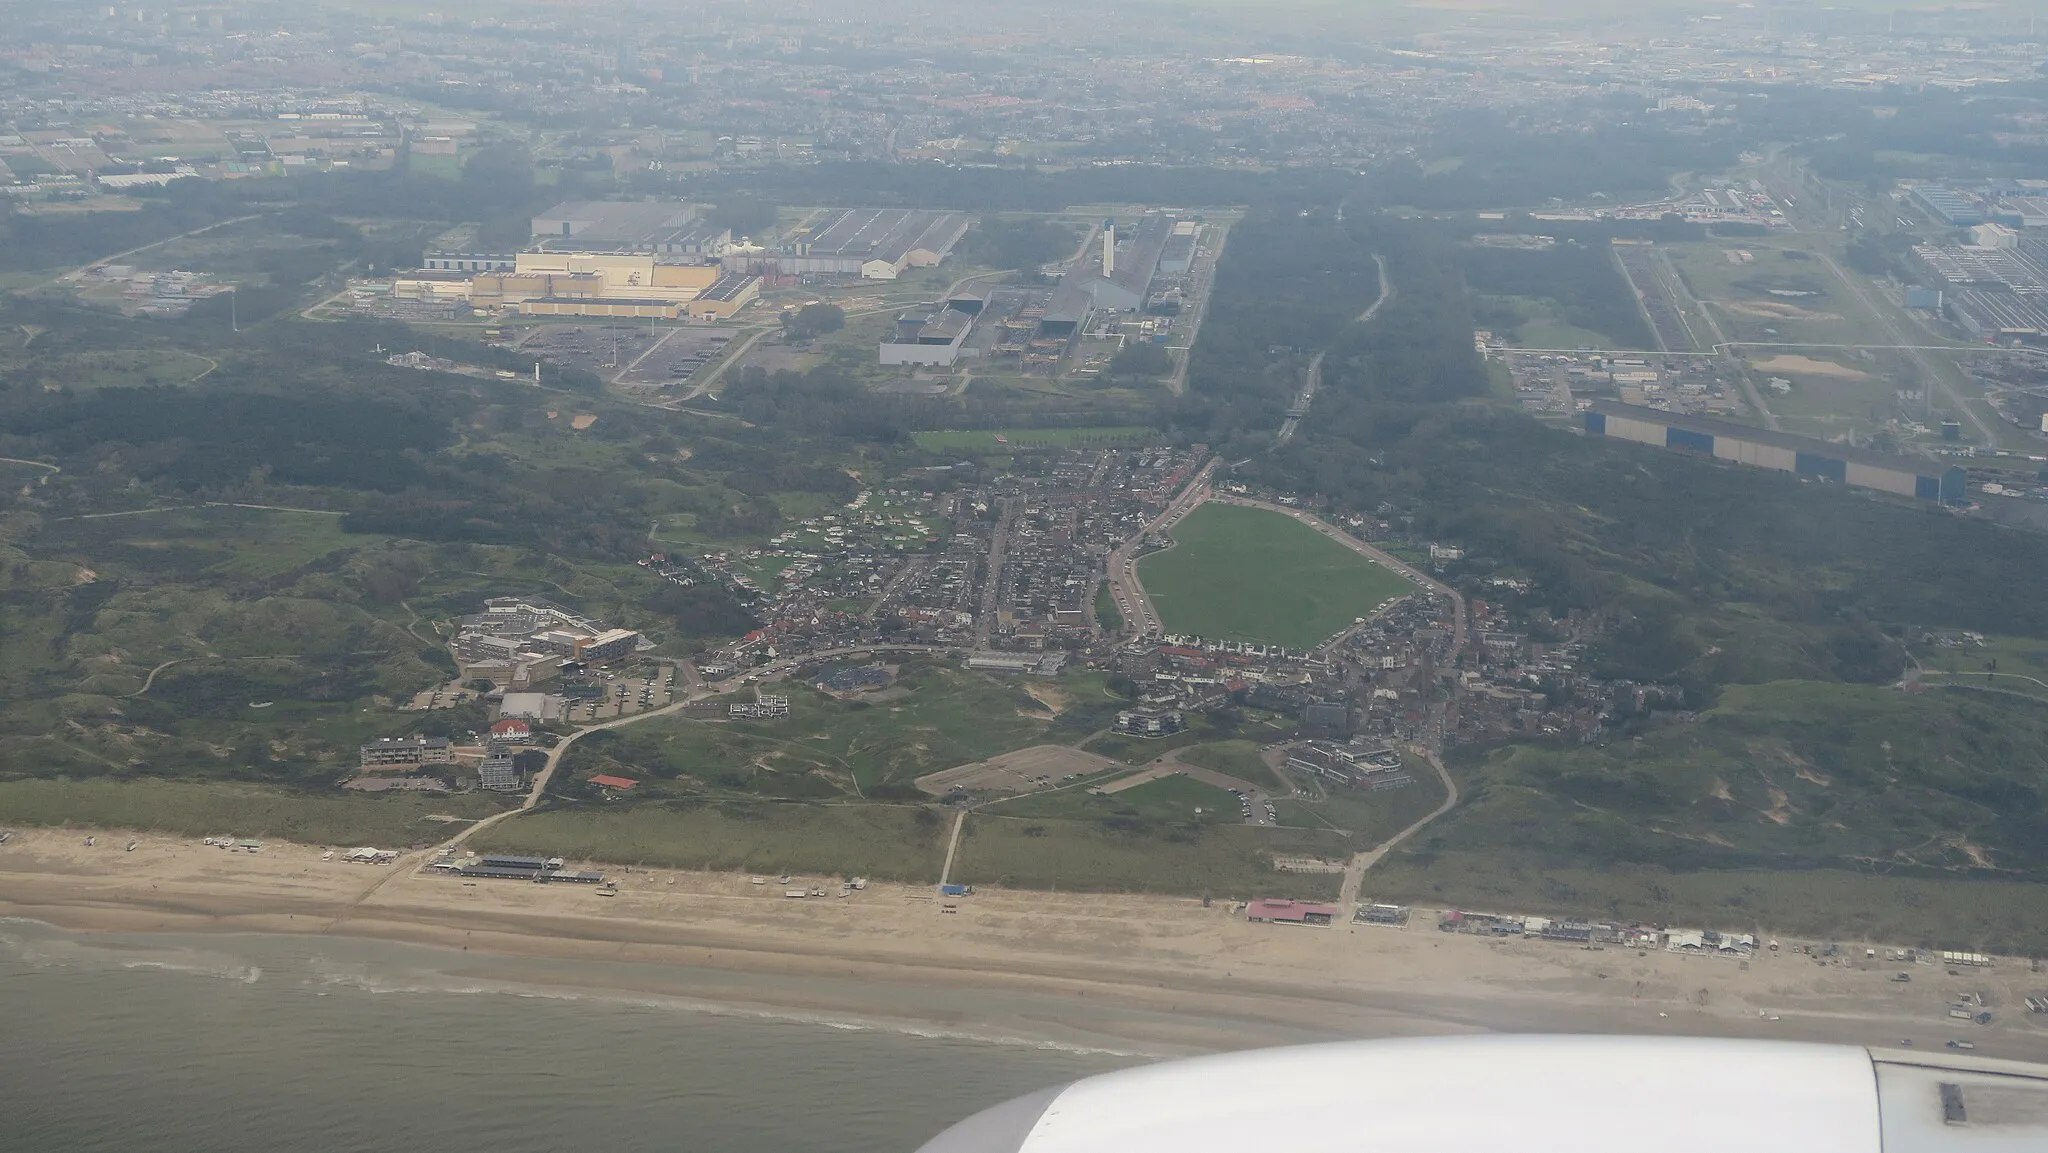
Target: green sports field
1246,574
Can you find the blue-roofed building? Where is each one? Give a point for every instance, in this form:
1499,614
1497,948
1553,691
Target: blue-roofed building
1906,476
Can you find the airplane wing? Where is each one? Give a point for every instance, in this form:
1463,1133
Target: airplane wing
1533,1094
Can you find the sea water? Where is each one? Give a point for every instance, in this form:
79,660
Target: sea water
223,1043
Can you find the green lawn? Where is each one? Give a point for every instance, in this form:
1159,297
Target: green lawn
1240,759
438,167
1246,574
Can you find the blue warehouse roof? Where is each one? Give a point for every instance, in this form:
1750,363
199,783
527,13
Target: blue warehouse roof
1707,426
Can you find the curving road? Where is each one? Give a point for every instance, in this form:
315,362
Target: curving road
1354,872
1314,378
1199,493
1140,618
1385,559
695,690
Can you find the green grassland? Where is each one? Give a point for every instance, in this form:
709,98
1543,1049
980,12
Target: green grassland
103,368
893,843
1240,759
237,607
1135,854
1536,322
1791,775
1995,653
1831,810
1202,728
1247,574
1367,818
1173,799
438,167
1745,297
935,717
198,810
974,440
1830,405
2009,664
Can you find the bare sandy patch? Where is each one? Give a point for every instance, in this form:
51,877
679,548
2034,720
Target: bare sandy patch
1781,807
1808,366
1054,699
1016,772
1774,310
583,421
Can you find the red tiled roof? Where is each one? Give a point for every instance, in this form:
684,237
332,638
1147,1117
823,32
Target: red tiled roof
511,725
612,782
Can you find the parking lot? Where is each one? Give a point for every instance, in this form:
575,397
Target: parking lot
597,348
675,360
624,696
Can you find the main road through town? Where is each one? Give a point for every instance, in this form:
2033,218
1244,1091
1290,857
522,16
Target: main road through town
1141,620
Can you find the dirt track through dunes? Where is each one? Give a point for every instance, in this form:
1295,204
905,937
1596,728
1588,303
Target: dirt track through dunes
1808,366
1016,772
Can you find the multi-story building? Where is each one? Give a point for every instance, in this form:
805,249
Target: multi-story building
406,752
500,773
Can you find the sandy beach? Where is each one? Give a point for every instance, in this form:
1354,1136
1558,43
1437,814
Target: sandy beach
1203,977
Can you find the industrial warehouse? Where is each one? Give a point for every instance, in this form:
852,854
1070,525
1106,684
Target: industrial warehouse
1113,279
618,284
856,243
1761,448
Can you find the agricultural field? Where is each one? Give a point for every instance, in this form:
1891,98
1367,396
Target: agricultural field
998,440
1246,574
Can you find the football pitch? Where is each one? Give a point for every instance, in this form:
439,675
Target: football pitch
1247,574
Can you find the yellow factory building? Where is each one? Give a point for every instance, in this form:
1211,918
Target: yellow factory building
590,284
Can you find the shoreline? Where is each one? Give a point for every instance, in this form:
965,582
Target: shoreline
1144,976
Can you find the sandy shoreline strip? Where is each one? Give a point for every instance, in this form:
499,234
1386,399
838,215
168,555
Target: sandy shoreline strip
1179,977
